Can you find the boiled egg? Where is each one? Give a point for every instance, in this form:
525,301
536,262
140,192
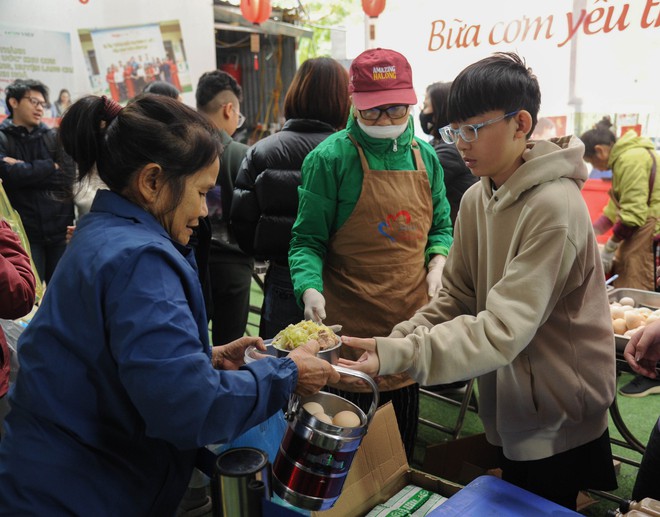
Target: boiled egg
313,407
346,419
323,418
627,300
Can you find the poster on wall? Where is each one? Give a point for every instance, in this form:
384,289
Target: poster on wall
121,61
27,53
549,127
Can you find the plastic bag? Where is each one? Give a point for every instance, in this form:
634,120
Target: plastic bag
265,436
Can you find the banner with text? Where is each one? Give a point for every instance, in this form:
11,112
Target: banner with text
121,61
27,53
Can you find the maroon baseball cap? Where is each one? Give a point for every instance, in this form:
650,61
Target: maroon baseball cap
381,76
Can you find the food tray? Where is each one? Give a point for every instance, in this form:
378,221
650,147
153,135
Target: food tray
642,298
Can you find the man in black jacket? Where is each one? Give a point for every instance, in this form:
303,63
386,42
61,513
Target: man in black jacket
36,173
218,97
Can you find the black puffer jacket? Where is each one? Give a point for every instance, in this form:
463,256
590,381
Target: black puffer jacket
265,202
40,193
458,178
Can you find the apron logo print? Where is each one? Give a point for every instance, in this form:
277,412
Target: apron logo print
398,224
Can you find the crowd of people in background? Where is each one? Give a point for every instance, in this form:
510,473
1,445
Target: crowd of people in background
125,80
420,245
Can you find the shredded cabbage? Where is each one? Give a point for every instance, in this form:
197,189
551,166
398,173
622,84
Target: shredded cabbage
296,335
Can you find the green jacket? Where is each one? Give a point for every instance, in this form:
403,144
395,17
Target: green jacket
331,186
631,162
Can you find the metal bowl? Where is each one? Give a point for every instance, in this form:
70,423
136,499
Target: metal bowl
329,354
251,353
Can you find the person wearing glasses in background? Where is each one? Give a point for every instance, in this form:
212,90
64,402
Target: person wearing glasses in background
37,174
373,228
219,97
523,307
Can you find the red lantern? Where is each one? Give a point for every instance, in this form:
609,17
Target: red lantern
373,7
256,11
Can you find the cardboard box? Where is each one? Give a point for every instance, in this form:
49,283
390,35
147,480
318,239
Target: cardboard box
463,460
379,470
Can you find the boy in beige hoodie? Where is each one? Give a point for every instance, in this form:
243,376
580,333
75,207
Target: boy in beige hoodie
523,306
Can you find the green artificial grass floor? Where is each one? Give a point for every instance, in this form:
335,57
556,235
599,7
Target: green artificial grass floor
639,415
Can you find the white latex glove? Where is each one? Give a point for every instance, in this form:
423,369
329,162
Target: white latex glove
434,276
607,255
314,305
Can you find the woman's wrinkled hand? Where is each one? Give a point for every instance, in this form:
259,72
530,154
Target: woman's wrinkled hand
232,355
313,373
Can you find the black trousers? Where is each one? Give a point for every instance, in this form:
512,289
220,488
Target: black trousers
559,478
405,402
230,293
647,483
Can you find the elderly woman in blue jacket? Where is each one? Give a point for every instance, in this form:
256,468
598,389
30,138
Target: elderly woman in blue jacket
118,385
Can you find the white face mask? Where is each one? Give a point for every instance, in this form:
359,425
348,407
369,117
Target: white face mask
384,132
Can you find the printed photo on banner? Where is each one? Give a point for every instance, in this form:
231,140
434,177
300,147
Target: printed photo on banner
121,61
27,53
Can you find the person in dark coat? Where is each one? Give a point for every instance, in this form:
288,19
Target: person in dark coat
265,200
36,173
219,99
458,177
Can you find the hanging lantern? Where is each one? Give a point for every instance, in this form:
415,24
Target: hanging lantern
373,7
256,11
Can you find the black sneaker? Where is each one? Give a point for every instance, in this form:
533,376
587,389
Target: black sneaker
640,386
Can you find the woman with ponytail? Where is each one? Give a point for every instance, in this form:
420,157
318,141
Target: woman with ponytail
118,386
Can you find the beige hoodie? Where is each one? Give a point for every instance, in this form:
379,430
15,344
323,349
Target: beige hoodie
524,308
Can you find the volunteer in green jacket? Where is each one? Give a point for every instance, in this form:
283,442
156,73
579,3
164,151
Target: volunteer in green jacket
633,213
373,227
634,207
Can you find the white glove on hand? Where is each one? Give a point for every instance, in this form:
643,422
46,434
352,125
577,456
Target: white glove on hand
434,276
314,305
607,255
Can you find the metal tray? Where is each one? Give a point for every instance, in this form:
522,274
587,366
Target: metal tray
642,298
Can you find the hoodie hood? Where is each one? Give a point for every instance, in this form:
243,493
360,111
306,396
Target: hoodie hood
627,142
543,161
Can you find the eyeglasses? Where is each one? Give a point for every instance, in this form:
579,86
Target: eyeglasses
469,132
36,102
393,112
241,117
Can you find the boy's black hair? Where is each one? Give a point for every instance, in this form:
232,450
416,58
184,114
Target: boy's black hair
499,82
19,89
211,84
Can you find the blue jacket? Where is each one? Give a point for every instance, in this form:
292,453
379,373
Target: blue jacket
116,391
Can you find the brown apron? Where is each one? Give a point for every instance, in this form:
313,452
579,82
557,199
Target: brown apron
374,275
634,259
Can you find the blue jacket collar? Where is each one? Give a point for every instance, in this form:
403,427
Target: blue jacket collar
113,203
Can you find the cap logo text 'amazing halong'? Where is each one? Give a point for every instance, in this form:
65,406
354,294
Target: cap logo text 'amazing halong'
383,72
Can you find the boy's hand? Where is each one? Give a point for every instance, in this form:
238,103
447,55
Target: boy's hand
368,362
